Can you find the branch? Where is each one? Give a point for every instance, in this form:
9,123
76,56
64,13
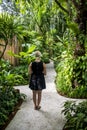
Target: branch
3,50
58,3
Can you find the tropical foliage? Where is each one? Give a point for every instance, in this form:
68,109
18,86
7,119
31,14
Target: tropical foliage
72,71
9,98
58,29
10,28
76,115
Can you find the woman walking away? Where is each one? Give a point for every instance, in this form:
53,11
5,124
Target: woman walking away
37,70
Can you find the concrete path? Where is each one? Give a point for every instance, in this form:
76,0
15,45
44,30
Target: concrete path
49,117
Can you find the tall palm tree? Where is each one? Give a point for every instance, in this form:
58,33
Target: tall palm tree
10,27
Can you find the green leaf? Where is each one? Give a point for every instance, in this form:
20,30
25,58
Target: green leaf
12,54
31,48
73,26
22,53
85,119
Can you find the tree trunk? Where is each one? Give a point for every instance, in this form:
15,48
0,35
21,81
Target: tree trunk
2,53
81,21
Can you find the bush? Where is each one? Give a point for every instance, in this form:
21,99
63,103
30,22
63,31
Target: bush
12,76
71,79
76,115
45,57
21,76
64,75
8,99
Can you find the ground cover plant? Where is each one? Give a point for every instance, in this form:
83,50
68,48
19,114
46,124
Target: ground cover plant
76,115
9,98
12,76
21,76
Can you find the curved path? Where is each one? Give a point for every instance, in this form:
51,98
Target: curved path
49,117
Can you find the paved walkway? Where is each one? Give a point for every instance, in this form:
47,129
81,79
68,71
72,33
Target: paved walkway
49,117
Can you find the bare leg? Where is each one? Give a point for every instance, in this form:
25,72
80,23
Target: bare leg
34,99
39,97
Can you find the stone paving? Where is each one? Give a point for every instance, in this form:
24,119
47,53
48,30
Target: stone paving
49,117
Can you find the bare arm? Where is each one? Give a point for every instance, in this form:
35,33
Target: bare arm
30,69
44,68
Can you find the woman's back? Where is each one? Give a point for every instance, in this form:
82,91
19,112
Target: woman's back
37,67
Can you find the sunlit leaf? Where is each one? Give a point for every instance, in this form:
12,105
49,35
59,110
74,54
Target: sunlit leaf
31,48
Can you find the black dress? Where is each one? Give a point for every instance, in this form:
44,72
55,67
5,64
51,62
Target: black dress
37,80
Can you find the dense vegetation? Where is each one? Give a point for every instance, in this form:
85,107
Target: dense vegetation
9,98
58,29
76,115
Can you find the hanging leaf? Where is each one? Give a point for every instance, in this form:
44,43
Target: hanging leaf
12,54
31,48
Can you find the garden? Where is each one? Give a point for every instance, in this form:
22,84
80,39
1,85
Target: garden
59,30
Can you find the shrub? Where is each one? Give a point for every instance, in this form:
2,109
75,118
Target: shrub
76,115
45,57
8,99
21,76
71,79
11,76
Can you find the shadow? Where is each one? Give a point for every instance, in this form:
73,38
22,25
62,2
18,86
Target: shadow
55,121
